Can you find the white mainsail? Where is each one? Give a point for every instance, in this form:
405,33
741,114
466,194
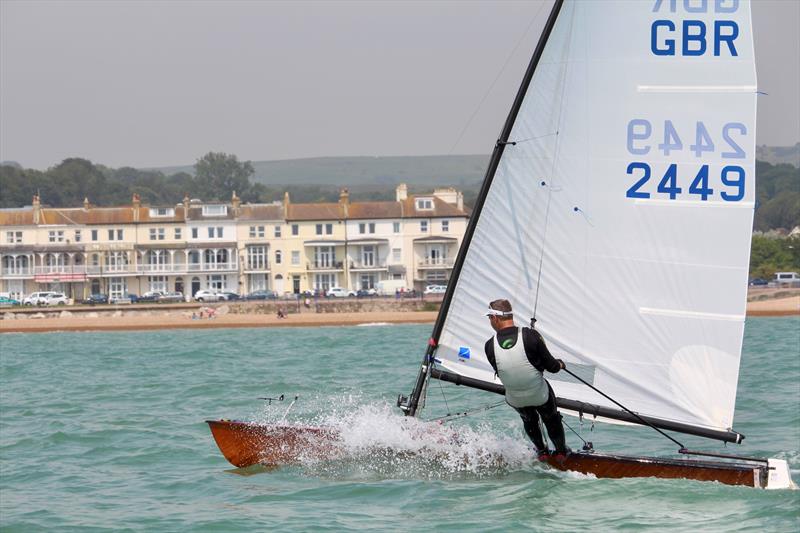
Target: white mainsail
623,213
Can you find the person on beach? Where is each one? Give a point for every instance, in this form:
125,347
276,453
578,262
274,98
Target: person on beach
519,357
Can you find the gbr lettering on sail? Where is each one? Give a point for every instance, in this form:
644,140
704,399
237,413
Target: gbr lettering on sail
670,156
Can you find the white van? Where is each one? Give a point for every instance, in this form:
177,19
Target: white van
389,287
787,279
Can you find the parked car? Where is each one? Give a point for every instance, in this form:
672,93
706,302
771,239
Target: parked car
36,298
366,293
56,298
435,289
5,301
95,299
228,296
261,295
172,297
151,296
123,299
339,292
206,296
758,282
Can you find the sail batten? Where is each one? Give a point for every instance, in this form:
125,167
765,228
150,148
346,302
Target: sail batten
624,224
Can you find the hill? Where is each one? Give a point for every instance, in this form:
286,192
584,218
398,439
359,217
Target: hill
778,155
461,171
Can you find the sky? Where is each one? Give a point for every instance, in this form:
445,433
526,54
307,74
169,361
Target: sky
150,84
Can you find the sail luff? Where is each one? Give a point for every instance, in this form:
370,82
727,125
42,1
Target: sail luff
410,408
493,164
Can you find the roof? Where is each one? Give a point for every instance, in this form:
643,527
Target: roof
320,211
261,212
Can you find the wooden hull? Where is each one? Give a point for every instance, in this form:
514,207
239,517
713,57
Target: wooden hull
244,444
620,466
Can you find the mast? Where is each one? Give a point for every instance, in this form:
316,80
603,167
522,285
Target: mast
410,404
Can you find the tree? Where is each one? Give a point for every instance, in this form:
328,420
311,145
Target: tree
218,174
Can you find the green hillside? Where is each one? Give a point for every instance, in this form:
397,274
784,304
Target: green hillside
438,170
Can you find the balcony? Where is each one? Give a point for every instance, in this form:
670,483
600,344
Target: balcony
435,263
256,268
325,266
110,270
213,267
370,266
59,273
16,273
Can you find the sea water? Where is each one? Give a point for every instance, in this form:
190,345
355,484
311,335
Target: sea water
105,431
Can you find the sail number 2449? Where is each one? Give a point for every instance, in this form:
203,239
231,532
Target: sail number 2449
729,184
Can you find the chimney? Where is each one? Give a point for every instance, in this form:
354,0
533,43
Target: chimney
186,206
286,204
401,192
86,204
344,201
460,201
137,203
37,209
235,202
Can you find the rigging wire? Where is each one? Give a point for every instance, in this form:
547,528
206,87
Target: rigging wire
502,69
453,416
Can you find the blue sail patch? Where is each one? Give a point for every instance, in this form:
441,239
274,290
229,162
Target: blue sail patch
463,352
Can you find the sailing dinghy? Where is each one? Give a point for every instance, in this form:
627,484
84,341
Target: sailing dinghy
616,212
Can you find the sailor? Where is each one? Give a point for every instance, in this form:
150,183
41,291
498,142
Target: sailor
519,357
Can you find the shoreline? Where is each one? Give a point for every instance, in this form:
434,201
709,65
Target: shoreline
762,308
147,323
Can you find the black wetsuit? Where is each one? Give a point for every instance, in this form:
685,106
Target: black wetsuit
539,357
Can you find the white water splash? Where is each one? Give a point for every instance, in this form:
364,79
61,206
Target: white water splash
377,440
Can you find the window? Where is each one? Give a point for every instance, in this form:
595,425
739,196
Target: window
445,226
210,232
215,210
278,257
256,231
77,235
114,233
366,228
256,257
194,233
158,283
397,254
157,234
216,282
277,231
111,235
117,287
219,232
372,227
396,227
319,229
424,203
162,212
295,229
329,229
178,233
362,228
119,234
295,257
56,236
423,226
94,234
15,237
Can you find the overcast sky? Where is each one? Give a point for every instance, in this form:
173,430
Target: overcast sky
162,83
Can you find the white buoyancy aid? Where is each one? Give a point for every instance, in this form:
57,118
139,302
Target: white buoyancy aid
525,385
